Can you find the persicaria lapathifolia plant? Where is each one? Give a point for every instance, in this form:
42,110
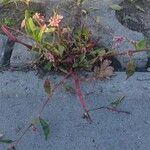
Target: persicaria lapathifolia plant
68,49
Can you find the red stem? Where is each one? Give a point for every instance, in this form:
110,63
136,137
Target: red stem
110,109
13,38
80,96
53,90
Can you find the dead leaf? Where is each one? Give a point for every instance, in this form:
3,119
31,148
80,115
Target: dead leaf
105,70
47,87
23,24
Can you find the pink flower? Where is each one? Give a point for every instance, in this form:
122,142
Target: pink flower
83,50
49,56
117,40
55,20
39,18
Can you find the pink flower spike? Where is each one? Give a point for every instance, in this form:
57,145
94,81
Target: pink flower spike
39,18
49,56
55,20
117,40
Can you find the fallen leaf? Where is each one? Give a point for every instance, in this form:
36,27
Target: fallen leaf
105,70
23,24
47,87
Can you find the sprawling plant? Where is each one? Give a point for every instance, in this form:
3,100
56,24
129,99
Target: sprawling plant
67,48
61,47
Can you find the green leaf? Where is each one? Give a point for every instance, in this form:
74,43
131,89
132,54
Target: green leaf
8,21
6,141
29,24
27,14
116,7
75,65
45,127
5,2
141,44
82,57
69,88
79,2
48,66
61,49
37,35
130,68
85,33
56,51
63,70
47,87
117,101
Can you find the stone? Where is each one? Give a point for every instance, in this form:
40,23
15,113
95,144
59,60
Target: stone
105,29
109,26
22,55
3,41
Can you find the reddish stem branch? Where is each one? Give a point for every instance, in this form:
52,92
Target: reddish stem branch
52,91
115,54
41,110
80,96
20,138
13,38
110,109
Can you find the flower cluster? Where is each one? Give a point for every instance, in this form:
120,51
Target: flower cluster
39,19
117,40
55,20
50,57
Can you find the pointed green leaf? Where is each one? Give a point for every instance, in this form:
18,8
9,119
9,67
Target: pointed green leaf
116,7
69,88
47,87
37,35
79,2
61,49
27,14
130,68
48,66
82,57
29,24
117,101
6,141
141,44
45,127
